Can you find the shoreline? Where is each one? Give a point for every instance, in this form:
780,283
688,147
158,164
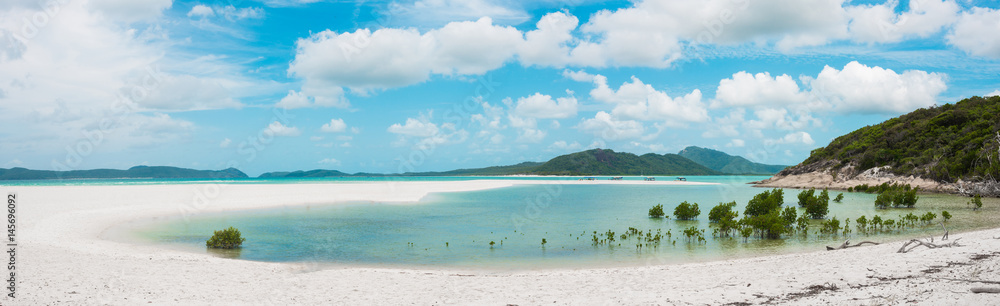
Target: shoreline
61,229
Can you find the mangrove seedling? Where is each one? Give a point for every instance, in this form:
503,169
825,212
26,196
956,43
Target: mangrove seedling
229,238
656,211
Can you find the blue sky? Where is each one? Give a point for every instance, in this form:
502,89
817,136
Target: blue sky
428,85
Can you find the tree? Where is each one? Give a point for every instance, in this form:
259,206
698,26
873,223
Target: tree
839,198
656,211
945,215
788,216
722,211
686,211
229,238
818,207
765,202
805,195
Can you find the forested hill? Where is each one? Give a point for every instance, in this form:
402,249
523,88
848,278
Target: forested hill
608,162
134,172
722,162
947,144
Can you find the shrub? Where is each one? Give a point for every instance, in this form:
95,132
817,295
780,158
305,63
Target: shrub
839,198
788,216
656,211
805,196
765,202
928,217
686,211
945,215
816,206
229,238
976,202
722,211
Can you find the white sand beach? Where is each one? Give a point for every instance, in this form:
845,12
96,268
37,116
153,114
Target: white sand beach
62,260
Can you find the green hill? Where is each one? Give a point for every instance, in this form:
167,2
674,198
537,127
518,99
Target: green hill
726,163
134,172
608,162
948,143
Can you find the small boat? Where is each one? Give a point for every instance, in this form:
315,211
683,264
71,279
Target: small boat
616,178
681,178
650,178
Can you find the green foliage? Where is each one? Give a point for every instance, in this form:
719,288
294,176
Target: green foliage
945,215
816,206
839,198
544,242
722,211
831,226
492,243
896,196
687,211
693,233
928,217
788,216
656,211
976,202
943,143
229,238
765,202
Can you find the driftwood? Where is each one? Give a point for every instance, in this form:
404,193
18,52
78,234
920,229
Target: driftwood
945,237
968,280
985,290
847,244
929,245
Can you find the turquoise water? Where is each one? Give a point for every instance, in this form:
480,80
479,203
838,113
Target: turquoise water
455,229
283,180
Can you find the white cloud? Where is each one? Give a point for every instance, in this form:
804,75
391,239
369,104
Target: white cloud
879,22
235,14
335,126
278,129
792,138
314,96
186,92
563,146
636,100
225,143
608,128
530,135
859,88
779,118
548,44
129,11
365,60
736,143
330,161
976,32
994,93
579,76
201,10
427,13
744,89
544,107
415,127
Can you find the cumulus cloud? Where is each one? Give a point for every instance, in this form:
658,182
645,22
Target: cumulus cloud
225,143
975,32
415,127
364,60
278,129
792,138
640,101
549,43
186,92
860,88
433,13
334,126
744,89
608,128
579,76
544,107
563,146
994,93
879,22
330,161
201,10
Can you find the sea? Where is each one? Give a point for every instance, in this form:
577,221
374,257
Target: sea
519,227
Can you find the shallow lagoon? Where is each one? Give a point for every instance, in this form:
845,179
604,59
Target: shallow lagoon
455,229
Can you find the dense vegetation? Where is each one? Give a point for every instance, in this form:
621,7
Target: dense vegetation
816,206
656,211
229,238
944,143
726,163
608,162
133,173
687,211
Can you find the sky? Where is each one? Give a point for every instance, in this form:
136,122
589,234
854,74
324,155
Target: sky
432,85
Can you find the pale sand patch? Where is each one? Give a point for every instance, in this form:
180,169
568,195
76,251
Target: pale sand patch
62,260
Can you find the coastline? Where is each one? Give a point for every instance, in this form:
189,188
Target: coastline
64,260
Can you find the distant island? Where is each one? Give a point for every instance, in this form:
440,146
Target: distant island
690,161
953,148
137,172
